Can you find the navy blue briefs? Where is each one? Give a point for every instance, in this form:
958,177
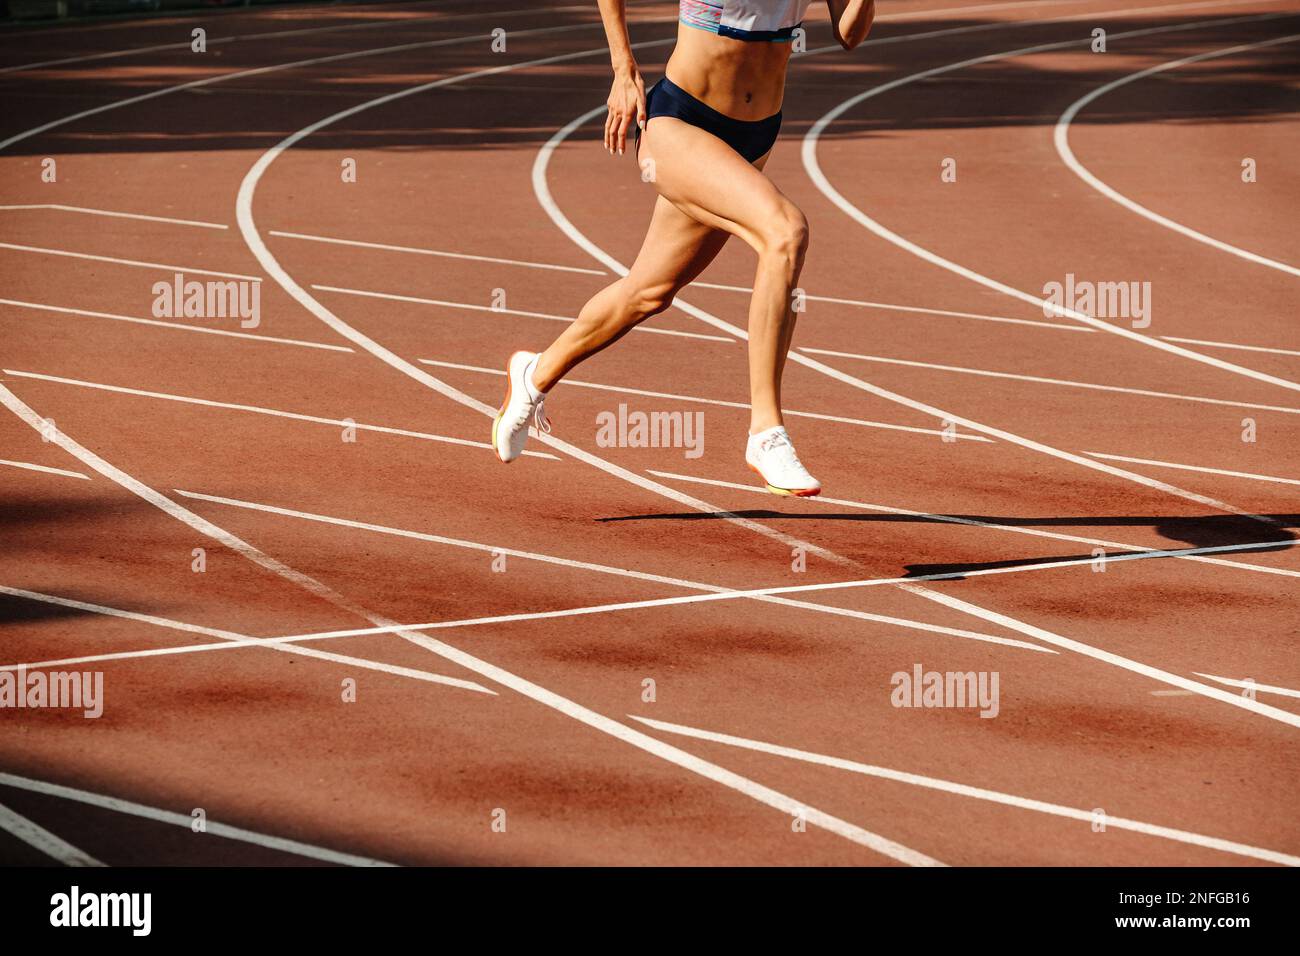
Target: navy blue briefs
750,138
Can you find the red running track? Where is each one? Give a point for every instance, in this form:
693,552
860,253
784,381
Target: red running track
332,463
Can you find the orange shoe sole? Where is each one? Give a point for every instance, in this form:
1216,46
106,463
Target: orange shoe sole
788,492
502,410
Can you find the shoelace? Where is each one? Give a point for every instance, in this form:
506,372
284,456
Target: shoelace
540,421
780,443
538,413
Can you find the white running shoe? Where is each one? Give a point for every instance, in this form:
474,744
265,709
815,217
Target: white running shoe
523,402
772,455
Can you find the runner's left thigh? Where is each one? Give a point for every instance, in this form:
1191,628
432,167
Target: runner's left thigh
676,249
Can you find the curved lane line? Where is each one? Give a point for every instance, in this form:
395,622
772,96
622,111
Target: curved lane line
1061,138
820,180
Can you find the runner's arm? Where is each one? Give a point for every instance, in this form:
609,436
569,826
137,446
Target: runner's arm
627,93
851,20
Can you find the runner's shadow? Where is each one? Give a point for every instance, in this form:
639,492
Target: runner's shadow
1204,531
18,610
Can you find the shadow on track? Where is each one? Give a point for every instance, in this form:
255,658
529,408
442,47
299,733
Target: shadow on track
512,112
1205,531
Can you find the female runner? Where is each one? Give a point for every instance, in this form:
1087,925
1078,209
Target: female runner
708,126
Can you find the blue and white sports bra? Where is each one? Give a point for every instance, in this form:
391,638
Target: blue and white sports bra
771,20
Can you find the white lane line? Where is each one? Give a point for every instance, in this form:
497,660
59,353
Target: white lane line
1231,345
248,229
542,190
1200,468
228,638
43,468
117,612
1061,138
35,835
104,56
977,793
435,252
276,643
259,410
314,636
1057,326
1042,380
813,167
17,303
584,566
1262,688
128,262
223,830
894,307
116,215
185,44
655,602
567,319
626,390
298,639
644,742
990,525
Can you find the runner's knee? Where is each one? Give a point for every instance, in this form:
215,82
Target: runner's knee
785,234
650,299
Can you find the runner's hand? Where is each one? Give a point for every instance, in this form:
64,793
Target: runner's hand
626,106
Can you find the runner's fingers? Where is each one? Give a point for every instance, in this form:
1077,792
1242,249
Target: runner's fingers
621,133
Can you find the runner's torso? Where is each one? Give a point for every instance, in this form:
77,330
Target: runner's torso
732,54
